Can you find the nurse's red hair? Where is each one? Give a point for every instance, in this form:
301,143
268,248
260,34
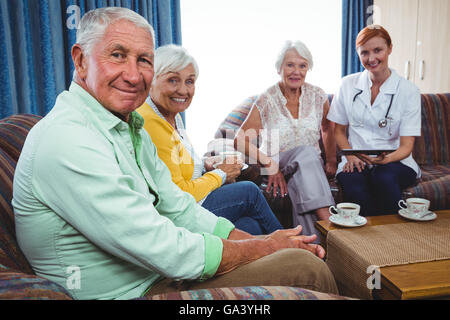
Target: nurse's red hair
370,32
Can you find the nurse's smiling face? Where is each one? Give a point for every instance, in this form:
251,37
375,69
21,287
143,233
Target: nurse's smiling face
374,55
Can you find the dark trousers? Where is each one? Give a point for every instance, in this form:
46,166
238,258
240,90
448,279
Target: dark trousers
378,189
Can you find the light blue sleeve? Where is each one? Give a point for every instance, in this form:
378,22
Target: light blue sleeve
175,204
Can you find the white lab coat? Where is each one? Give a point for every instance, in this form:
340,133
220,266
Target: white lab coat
404,117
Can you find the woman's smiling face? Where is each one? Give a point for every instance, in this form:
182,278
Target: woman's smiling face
374,55
173,91
293,70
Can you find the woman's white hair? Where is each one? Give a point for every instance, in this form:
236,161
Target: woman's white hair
95,22
173,58
301,49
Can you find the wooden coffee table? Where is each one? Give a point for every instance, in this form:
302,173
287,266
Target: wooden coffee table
426,280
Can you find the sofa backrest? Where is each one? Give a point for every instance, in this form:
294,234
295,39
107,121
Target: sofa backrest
432,147
13,131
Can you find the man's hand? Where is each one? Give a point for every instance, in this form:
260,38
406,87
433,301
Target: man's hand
291,238
240,252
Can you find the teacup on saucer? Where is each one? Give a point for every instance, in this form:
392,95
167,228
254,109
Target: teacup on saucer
358,222
417,207
345,211
428,216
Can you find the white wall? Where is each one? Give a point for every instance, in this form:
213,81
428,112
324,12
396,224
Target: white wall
236,43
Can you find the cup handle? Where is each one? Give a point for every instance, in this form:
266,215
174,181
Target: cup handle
401,203
334,208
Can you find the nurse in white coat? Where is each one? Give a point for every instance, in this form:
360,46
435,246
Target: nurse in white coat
379,110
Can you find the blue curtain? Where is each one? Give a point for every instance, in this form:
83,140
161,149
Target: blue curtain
356,14
35,41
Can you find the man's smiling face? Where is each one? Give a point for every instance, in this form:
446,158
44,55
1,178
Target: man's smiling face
119,70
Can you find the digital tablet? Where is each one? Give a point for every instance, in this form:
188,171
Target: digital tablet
346,152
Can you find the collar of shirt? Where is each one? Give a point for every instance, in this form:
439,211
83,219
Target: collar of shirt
102,116
178,120
389,87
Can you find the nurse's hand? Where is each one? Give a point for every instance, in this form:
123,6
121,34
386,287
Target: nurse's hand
354,163
380,159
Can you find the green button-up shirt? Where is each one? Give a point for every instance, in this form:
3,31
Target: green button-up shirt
96,209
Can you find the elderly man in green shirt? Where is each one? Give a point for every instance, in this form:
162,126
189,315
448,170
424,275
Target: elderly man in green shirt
91,195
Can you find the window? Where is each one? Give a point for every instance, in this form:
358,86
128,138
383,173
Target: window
236,43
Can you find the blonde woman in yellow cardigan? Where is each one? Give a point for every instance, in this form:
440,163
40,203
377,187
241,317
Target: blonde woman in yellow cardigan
172,91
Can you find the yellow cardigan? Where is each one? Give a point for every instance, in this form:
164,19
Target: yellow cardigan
177,158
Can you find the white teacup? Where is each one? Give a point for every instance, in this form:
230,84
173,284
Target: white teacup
415,206
345,211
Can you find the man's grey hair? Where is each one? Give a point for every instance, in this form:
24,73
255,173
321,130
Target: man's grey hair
301,49
173,58
95,22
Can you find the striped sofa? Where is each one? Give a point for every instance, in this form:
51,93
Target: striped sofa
17,279
431,151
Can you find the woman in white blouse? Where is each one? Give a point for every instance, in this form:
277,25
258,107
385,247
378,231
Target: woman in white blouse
379,110
289,118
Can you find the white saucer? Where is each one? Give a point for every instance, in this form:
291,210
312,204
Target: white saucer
244,166
429,217
349,224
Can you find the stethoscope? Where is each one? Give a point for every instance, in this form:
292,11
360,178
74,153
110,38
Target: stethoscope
383,122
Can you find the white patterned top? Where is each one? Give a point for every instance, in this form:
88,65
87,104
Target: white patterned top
281,131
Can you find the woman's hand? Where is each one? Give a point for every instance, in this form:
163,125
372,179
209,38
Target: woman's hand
353,163
330,169
232,167
211,161
276,180
380,159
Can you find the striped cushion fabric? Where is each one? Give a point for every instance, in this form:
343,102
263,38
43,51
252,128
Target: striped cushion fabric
235,118
433,172
13,131
434,186
437,191
18,285
433,147
247,293
10,253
